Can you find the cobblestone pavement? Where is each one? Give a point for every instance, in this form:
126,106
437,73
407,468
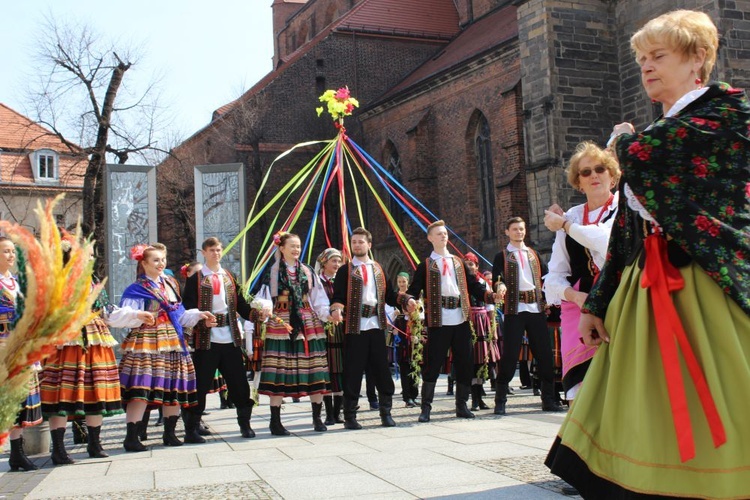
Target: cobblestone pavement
487,457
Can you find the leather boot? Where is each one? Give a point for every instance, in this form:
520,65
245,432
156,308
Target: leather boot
59,453
338,403
94,446
428,393
501,397
243,420
350,415
450,386
550,398
143,426
18,458
328,403
462,397
224,401
80,435
191,421
276,428
318,425
480,403
132,443
203,429
386,403
474,398
169,438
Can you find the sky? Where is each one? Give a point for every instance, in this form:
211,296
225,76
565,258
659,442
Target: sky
203,54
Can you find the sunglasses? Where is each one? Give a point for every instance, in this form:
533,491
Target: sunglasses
599,169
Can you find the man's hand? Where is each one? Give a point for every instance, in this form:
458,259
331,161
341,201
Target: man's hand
336,316
592,330
209,318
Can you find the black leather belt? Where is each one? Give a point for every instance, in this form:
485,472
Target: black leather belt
527,297
450,302
222,319
369,311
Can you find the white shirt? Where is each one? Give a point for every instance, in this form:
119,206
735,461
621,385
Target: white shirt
219,334
595,237
525,276
369,295
448,288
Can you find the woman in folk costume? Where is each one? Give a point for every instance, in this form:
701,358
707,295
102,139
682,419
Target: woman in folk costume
295,359
481,323
404,348
156,368
30,410
327,264
579,251
670,310
80,379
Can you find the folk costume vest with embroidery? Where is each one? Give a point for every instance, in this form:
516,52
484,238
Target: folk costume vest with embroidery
201,339
354,298
510,278
433,305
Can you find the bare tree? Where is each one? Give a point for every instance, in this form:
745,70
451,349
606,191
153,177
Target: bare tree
82,97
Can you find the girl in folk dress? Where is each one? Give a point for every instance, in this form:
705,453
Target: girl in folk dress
295,359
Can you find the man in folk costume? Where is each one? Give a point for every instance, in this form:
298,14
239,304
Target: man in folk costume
360,293
215,289
447,285
517,274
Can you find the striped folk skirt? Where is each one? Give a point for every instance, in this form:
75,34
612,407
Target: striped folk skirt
154,367
77,382
335,350
484,348
31,408
295,364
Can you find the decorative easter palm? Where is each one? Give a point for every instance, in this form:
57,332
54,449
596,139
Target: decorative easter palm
56,304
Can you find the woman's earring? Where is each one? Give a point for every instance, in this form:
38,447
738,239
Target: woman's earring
698,81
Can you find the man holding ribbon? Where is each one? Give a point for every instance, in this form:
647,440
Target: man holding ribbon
218,346
517,273
360,293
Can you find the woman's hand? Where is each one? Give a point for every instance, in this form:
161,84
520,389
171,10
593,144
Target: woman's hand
146,318
553,221
592,330
209,318
623,128
573,295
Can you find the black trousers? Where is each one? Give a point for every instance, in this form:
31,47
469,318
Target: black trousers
535,326
227,358
409,387
457,338
366,350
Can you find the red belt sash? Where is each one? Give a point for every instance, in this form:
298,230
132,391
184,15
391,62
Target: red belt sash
661,278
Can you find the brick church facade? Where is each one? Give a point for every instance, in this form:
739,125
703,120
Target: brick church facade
475,105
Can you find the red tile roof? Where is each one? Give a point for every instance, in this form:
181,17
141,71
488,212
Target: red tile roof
19,137
432,18
477,38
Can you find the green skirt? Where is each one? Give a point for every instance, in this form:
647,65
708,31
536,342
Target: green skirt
619,441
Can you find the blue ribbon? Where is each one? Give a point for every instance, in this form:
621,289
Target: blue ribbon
174,311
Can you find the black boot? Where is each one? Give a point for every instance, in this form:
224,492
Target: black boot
243,420
318,425
428,393
474,398
169,438
132,443
191,421
94,446
386,403
328,403
462,397
160,419
80,435
203,429
450,386
501,397
276,428
143,426
550,398
338,403
224,401
59,454
480,402
350,415
18,458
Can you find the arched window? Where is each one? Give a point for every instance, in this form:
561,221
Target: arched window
482,151
393,165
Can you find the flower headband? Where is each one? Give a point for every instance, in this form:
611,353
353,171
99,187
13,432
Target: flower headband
136,253
471,257
277,237
184,270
